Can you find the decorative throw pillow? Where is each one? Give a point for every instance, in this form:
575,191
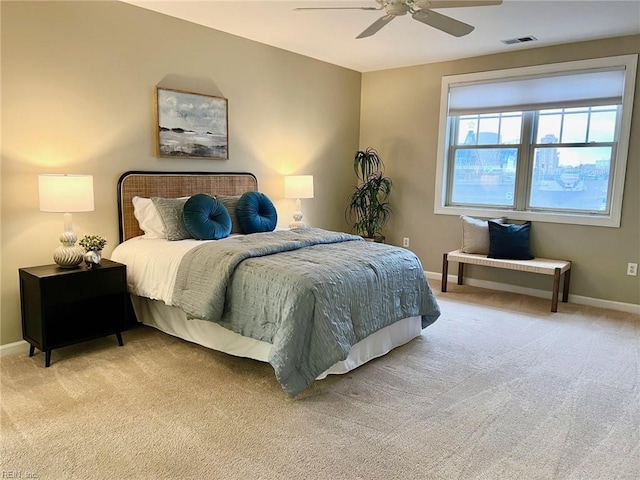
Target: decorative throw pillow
510,241
475,234
256,213
231,204
148,218
170,210
206,218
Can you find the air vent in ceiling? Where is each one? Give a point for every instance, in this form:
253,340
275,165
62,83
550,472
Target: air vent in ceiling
512,41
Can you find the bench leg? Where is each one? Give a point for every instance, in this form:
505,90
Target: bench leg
460,272
445,272
565,289
556,287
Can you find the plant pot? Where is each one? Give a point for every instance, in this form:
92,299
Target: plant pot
378,239
93,258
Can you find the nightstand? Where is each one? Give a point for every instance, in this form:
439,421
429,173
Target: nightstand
62,306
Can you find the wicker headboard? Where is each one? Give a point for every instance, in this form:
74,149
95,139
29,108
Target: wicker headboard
173,185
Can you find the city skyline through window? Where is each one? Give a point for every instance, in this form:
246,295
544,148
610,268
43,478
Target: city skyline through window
569,160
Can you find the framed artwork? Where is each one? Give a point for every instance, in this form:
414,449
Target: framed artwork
191,125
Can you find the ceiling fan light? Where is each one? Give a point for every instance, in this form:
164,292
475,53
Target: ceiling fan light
396,7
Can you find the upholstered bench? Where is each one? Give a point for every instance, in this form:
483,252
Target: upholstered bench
544,266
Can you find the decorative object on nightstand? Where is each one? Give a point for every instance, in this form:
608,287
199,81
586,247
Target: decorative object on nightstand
92,259
63,307
66,194
298,186
368,209
93,245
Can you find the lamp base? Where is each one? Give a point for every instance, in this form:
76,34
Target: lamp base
68,255
297,219
297,224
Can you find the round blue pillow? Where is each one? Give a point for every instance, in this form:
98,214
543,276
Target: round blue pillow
206,218
256,213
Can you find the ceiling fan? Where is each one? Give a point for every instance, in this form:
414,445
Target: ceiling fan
420,10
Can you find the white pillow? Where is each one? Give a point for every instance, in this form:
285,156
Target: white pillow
148,218
475,234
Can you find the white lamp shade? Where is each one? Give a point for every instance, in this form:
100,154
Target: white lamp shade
298,186
65,193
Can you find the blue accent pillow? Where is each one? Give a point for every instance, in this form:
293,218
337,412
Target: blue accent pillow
510,241
256,213
206,218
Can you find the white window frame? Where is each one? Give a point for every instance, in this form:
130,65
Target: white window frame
619,163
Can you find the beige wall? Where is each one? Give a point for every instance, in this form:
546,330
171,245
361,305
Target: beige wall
77,97
78,82
399,117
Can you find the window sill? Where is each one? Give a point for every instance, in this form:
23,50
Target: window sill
547,217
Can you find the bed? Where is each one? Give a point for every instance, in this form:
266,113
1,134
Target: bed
308,301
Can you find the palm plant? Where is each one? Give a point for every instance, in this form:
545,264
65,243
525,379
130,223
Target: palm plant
368,209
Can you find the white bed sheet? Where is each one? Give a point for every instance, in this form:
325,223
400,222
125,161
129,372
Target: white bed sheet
152,265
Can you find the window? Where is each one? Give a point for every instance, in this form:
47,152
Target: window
544,143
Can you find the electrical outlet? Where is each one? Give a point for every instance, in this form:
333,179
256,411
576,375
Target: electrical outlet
405,242
632,269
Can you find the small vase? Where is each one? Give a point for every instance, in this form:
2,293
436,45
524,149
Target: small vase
93,258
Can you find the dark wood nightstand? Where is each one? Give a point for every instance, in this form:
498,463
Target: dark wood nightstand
63,306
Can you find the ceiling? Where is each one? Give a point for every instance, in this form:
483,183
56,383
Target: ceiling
329,35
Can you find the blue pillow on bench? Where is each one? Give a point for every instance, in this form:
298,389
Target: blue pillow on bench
510,241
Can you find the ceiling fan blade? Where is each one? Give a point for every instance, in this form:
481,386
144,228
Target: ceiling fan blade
444,23
456,3
376,26
338,8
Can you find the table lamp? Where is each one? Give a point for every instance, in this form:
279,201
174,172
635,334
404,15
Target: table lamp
298,186
66,194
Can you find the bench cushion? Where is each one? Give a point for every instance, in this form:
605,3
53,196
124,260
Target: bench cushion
545,266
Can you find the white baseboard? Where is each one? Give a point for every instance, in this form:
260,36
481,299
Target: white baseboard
534,292
15,347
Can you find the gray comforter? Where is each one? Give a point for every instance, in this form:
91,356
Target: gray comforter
311,293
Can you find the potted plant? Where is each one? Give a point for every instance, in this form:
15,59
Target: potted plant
93,245
368,209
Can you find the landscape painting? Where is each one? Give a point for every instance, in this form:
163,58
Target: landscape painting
191,125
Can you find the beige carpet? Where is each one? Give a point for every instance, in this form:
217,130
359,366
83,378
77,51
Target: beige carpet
498,388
